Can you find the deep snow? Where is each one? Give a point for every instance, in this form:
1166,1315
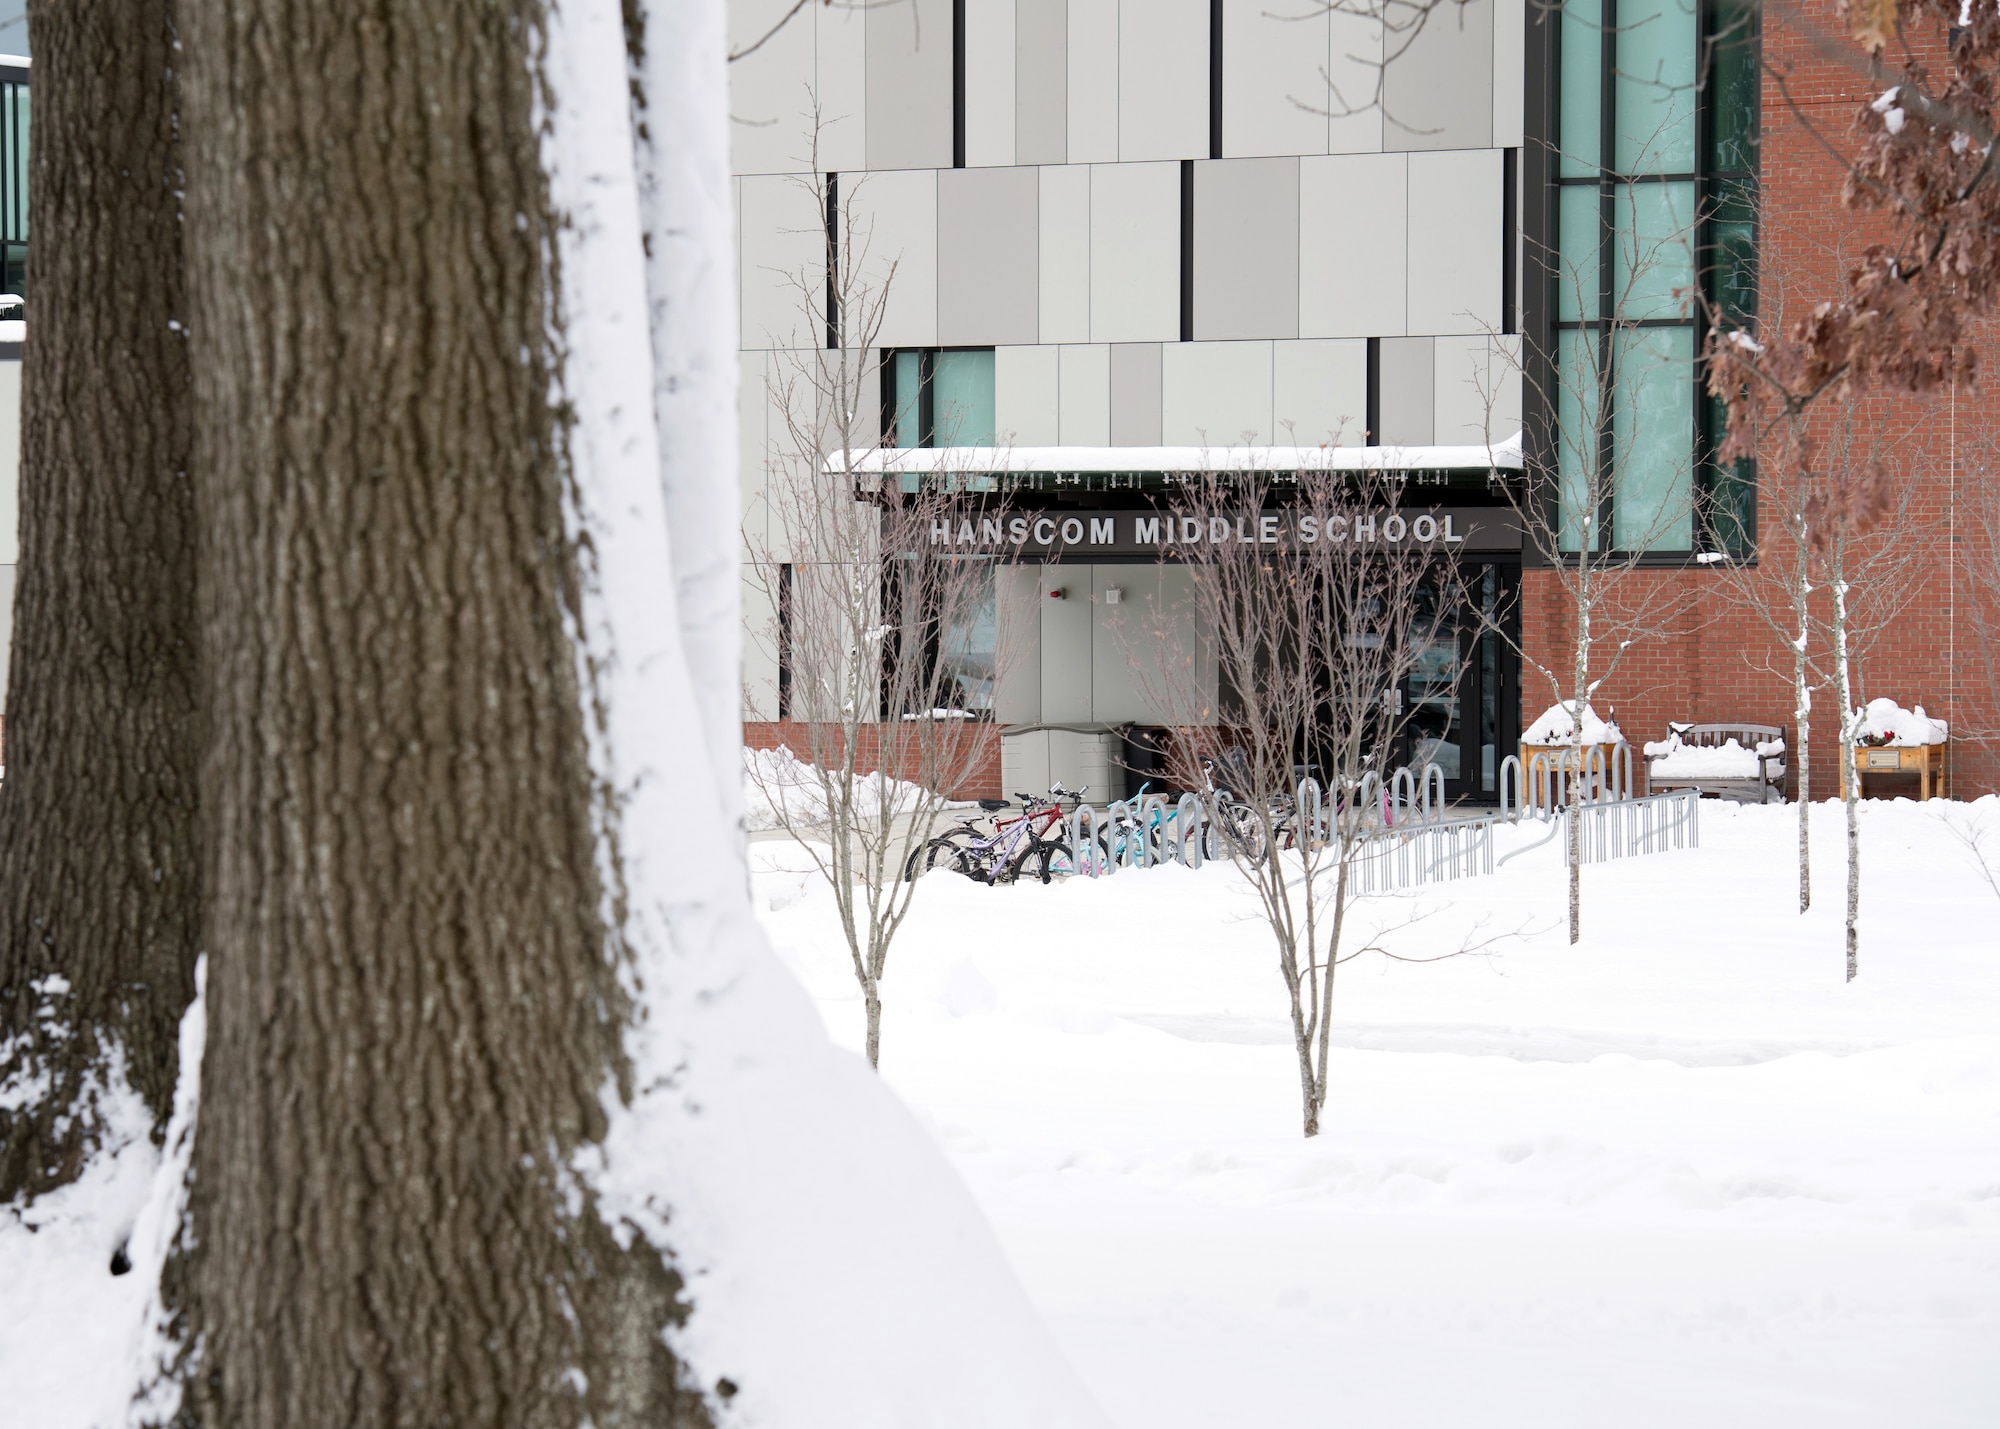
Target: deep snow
1679,1174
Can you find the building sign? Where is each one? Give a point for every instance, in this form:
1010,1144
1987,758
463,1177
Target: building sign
1069,535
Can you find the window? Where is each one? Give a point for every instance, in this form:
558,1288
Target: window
938,397
14,185
1656,131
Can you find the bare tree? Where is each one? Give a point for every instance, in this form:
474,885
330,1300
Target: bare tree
1857,524
882,622
1317,596
1608,483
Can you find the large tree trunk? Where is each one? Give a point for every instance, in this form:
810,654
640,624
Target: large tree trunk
414,1008
99,883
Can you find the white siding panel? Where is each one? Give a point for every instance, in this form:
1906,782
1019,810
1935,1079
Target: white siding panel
900,212
783,245
1135,252
1437,93
760,646
1065,267
1353,245
1455,241
1509,73
753,433
1162,79
1319,392
770,91
1026,396
1093,81
10,468
989,82
6,624
1271,66
1354,65
1473,374
843,87
1215,394
1083,416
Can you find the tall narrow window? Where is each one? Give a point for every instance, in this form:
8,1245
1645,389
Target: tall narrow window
785,583
1656,131
14,183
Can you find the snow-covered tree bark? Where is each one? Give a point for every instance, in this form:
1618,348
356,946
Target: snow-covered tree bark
99,879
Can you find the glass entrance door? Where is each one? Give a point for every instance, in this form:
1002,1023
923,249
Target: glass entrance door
1463,691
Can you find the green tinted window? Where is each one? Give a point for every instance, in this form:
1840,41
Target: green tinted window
1652,420
1657,46
1653,253
962,399
1582,84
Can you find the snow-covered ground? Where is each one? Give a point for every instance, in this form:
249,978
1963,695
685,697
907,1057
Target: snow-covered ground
1678,1174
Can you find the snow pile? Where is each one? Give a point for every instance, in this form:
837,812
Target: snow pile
777,782
1886,722
1558,726
1671,758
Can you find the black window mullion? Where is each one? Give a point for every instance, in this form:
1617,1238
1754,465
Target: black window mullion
926,405
1607,262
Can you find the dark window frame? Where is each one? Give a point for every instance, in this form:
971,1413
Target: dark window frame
1711,185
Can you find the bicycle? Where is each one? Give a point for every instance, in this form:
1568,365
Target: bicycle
999,856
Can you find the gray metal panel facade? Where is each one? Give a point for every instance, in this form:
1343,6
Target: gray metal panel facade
1438,93
988,256
1246,248
1135,394
1408,374
909,85
1041,81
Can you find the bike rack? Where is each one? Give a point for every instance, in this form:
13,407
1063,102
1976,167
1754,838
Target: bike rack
1083,851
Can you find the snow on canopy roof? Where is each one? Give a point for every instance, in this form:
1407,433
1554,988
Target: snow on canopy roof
1502,456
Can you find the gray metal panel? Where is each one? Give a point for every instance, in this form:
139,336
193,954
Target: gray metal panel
1438,93
1041,81
1066,632
1017,699
909,85
6,624
1407,373
989,246
1135,394
1246,248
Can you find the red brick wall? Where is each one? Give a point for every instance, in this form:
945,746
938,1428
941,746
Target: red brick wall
1713,658
979,768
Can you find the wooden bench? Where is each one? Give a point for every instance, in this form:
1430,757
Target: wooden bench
1747,789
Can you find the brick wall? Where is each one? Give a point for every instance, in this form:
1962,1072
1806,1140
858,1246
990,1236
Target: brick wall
977,765
1712,657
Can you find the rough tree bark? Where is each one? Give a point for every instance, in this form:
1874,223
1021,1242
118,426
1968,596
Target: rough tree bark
99,883
413,1006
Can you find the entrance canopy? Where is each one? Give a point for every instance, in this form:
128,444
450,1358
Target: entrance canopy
1504,456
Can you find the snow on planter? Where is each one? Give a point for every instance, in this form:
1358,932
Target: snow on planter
1885,722
1558,726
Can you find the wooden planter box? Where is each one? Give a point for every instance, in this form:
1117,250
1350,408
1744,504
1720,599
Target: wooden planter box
1931,763
1555,752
